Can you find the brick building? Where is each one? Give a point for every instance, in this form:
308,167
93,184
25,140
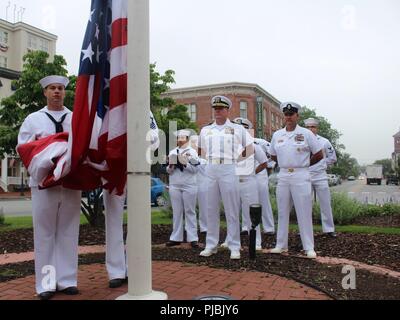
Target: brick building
396,153
249,101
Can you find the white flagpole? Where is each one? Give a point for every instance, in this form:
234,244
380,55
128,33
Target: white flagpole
139,210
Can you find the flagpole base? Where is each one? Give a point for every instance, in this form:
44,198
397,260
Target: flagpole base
154,295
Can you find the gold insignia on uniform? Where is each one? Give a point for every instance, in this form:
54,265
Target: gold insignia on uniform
229,131
210,133
299,138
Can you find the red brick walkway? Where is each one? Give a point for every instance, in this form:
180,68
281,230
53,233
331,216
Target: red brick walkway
179,281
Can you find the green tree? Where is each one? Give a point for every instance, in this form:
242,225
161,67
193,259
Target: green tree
346,165
164,108
159,84
325,128
28,96
387,166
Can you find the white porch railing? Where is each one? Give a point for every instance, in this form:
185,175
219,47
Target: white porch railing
14,180
3,185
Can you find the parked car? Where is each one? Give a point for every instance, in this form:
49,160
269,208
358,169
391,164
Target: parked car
392,180
351,178
157,190
332,180
156,193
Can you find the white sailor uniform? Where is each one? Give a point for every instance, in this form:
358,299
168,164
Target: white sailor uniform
55,211
116,264
202,194
249,188
183,193
223,144
293,151
319,180
263,190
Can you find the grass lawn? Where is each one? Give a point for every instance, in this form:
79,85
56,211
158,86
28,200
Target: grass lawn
158,217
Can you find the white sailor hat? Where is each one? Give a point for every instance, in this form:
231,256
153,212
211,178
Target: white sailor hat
221,101
290,107
183,133
244,122
46,81
311,122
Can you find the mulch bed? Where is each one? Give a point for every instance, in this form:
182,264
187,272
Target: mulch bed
374,249
392,221
377,249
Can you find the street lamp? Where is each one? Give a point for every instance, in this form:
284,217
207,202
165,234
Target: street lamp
255,217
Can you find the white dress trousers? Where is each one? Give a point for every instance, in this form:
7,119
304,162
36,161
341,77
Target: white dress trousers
320,184
263,195
56,217
295,188
183,200
223,185
115,248
249,196
202,196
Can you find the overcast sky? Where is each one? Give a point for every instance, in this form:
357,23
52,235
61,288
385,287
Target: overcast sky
339,57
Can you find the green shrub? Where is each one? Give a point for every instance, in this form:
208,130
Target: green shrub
167,209
1,217
344,209
391,209
274,206
370,210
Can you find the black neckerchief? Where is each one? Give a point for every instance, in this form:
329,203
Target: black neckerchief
58,124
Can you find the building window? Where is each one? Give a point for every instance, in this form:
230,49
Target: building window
273,120
192,111
35,43
3,37
44,45
265,117
243,109
32,42
12,169
3,62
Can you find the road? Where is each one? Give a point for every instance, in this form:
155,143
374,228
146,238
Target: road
23,208
358,190
16,208
372,194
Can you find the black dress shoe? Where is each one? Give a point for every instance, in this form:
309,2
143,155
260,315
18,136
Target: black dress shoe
172,243
70,291
116,283
332,234
244,233
46,295
194,244
204,233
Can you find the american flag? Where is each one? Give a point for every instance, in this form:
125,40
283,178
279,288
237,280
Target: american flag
98,139
95,152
